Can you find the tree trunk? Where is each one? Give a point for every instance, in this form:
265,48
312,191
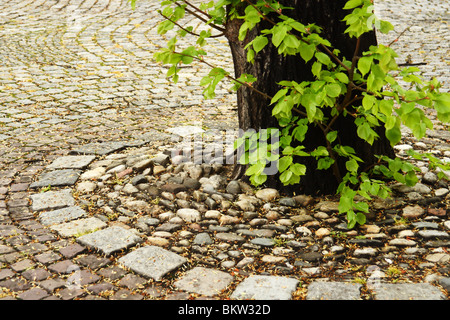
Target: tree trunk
269,68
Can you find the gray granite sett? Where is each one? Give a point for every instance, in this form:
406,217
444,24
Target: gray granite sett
52,200
57,178
258,287
325,290
77,227
208,282
407,291
71,162
61,215
152,262
110,240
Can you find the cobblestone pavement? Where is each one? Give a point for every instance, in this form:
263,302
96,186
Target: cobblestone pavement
78,72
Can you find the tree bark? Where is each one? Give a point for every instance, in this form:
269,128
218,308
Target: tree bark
269,68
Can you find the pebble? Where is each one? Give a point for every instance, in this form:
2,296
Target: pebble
322,232
413,212
402,243
263,242
189,215
267,194
233,187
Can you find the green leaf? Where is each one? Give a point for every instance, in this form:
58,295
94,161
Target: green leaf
375,81
324,163
243,30
361,206
333,90
259,43
257,180
411,179
386,107
283,108
251,55
285,177
331,136
442,103
364,64
255,169
365,132
323,58
360,218
300,131
316,69
278,95
298,169
342,77
351,220
307,51
320,151
291,41
352,165
284,163
345,204
278,35
368,102
385,26
252,15
133,4
394,135
353,4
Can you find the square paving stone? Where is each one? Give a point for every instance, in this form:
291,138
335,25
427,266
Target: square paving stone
63,267
22,265
61,215
265,288
407,291
57,178
321,290
81,278
110,240
32,248
6,273
208,282
77,227
52,200
48,257
33,294
52,284
37,274
152,262
112,273
93,261
71,162
15,284
72,250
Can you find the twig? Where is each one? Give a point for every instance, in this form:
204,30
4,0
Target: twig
197,9
178,25
398,37
203,19
186,30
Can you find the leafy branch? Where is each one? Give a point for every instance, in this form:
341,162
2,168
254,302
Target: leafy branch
364,88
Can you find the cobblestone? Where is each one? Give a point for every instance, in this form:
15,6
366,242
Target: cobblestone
78,86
